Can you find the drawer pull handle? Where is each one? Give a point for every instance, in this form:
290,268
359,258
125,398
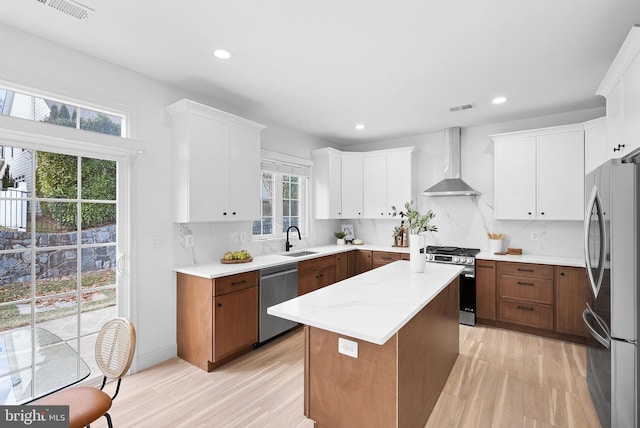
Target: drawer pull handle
525,308
524,270
530,284
486,266
385,258
239,282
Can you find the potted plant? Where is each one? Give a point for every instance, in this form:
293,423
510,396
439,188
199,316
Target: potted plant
416,224
340,235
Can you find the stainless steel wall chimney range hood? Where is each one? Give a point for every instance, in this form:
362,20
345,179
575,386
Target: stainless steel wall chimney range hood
452,184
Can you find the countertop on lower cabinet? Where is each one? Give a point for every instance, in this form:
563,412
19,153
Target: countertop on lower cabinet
216,269
532,258
372,306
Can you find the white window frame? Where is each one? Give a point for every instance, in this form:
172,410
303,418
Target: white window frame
281,165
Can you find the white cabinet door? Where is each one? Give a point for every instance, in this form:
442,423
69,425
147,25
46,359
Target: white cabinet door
560,175
614,121
207,170
216,164
327,183
515,179
631,108
596,149
352,185
375,176
400,182
244,174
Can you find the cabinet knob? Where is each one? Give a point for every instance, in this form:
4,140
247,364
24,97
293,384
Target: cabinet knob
224,213
561,273
381,213
529,213
542,213
617,149
234,213
219,305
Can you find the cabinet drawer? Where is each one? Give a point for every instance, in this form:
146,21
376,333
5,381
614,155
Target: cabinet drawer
308,265
384,257
231,283
530,314
526,269
530,289
326,261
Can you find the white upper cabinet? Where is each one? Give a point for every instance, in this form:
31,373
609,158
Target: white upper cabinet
352,185
216,164
596,147
327,183
621,87
539,174
374,166
388,181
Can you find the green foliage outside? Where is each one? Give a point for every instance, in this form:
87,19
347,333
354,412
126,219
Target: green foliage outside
102,124
56,177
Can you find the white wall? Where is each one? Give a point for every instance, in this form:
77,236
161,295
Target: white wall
465,221
39,64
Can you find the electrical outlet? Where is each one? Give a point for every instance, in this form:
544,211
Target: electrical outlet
187,240
157,244
534,236
243,237
348,347
234,237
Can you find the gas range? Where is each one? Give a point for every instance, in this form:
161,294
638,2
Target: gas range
454,255
464,257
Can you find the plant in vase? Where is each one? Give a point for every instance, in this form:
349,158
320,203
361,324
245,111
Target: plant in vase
416,224
340,237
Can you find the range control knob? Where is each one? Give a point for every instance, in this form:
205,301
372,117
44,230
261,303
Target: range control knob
456,259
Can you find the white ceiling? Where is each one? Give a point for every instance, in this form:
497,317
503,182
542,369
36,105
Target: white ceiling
323,66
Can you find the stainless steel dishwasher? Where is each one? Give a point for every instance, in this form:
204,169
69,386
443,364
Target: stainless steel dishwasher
277,284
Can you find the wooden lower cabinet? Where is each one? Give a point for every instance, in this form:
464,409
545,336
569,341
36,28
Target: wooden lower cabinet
316,273
486,289
525,294
571,297
381,258
364,261
217,319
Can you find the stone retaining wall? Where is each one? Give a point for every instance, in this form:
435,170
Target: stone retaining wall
16,267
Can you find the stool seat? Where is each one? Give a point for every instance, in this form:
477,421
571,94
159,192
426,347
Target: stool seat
86,404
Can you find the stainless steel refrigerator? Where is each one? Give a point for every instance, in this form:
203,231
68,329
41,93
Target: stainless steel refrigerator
612,231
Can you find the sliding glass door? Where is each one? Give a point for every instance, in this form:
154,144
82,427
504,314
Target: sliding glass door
59,246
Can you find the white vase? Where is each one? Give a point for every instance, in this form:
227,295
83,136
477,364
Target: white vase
340,241
418,261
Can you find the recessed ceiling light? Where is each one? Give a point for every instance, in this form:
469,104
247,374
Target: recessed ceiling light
499,100
360,126
222,54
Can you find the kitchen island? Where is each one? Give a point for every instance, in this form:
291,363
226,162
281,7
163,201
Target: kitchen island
378,346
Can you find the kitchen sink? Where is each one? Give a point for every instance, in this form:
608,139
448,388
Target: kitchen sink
299,253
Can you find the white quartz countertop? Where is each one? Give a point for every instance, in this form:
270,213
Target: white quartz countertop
372,306
217,269
528,258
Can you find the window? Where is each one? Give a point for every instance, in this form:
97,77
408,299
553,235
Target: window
284,199
61,113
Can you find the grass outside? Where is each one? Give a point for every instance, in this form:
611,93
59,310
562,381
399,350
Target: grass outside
94,296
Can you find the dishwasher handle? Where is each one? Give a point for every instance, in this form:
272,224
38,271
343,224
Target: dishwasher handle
282,272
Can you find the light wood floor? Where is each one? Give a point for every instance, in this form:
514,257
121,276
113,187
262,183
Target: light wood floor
501,379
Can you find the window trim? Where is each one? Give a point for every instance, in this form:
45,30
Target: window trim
281,164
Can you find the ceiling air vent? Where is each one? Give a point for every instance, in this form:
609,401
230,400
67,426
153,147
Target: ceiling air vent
69,7
462,107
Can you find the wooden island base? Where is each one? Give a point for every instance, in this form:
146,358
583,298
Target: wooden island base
392,385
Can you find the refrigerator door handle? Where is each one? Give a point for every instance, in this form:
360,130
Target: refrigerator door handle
594,202
604,341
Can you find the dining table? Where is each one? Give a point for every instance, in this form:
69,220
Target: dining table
34,362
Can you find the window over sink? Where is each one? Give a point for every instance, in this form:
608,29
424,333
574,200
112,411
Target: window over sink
284,197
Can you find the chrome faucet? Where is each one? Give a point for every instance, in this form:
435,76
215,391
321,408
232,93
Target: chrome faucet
288,245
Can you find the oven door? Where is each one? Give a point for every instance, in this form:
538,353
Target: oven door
467,299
